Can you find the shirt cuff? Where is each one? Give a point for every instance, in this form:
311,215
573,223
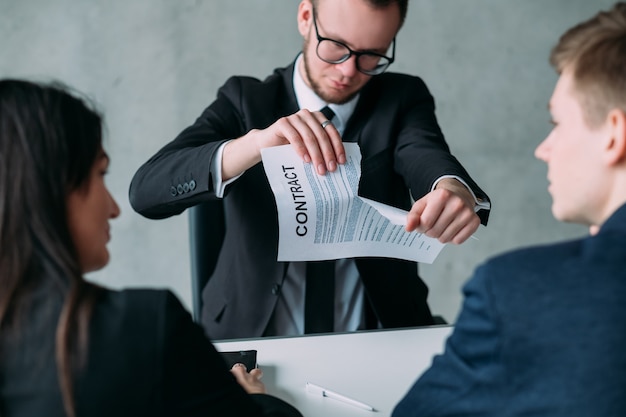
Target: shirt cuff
216,172
480,205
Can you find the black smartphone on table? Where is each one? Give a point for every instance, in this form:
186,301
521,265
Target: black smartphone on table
247,357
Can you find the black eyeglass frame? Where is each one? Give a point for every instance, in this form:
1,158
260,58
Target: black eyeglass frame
379,69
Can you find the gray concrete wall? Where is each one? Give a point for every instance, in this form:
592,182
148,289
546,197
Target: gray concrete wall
153,65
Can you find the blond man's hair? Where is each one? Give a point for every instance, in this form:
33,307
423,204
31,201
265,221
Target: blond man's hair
595,53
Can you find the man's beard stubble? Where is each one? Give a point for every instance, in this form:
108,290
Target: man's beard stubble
315,86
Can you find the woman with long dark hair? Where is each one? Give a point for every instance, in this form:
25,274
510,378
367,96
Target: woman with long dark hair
67,346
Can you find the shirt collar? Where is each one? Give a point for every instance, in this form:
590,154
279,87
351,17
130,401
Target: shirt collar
307,99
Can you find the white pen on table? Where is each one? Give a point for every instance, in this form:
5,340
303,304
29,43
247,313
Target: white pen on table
324,392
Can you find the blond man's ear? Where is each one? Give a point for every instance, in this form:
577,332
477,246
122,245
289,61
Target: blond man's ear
616,147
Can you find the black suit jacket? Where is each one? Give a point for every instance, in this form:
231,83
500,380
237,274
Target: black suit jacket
145,358
402,149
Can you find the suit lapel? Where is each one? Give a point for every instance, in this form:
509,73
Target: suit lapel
362,114
289,104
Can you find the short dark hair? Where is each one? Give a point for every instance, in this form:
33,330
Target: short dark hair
403,6
595,52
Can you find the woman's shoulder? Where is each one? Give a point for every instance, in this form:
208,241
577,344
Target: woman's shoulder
140,308
135,297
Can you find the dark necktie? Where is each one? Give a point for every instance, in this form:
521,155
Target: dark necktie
319,303
327,111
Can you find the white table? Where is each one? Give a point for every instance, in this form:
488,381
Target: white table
375,367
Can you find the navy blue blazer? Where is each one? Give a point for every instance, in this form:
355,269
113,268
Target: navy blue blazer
542,332
403,151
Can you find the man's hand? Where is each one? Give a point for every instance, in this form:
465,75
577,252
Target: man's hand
446,213
319,145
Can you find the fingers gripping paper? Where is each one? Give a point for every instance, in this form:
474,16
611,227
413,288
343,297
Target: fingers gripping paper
322,217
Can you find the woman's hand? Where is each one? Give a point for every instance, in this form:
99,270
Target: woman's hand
250,381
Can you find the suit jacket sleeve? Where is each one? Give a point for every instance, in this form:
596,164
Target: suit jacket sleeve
397,113
467,377
178,175
423,154
197,381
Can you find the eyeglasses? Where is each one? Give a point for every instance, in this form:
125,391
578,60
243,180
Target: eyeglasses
335,52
